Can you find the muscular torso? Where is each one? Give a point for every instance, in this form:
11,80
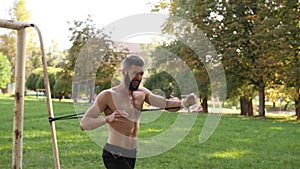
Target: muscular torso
123,132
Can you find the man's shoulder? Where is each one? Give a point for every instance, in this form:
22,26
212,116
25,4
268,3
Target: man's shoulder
144,90
104,97
105,93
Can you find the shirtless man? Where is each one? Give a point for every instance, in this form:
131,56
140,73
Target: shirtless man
122,106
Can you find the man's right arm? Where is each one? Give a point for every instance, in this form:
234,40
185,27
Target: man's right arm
91,118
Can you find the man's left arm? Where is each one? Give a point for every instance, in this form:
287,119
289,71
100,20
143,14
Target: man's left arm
189,100
169,104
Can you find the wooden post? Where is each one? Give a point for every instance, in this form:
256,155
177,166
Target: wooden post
20,89
49,102
19,100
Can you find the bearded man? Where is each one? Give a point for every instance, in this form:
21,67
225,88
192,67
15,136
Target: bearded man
122,106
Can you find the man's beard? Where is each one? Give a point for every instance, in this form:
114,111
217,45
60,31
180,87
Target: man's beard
129,85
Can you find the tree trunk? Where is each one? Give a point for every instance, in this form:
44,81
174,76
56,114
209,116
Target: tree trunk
204,104
261,90
250,107
285,106
274,106
297,107
246,106
243,104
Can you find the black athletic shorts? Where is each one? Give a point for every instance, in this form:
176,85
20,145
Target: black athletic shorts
115,157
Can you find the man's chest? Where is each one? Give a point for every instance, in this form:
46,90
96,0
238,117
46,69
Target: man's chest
130,103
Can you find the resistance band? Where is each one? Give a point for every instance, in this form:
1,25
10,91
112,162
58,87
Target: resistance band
79,115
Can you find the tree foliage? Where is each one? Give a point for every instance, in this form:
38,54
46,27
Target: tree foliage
163,84
36,79
19,12
171,55
5,71
256,39
92,56
54,55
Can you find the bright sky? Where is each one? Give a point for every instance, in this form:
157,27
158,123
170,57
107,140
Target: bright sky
51,16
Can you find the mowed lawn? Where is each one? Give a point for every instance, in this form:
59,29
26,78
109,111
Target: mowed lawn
238,142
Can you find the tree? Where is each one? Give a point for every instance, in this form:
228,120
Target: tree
170,56
62,85
92,56
81,32
250,29
291,35
36,78
20,13
273,94
247,34
54,55
8,48
164,82
31,81
5,73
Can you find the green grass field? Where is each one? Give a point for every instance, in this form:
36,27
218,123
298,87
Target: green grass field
238,142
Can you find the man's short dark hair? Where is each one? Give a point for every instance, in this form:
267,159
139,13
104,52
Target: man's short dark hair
132,60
